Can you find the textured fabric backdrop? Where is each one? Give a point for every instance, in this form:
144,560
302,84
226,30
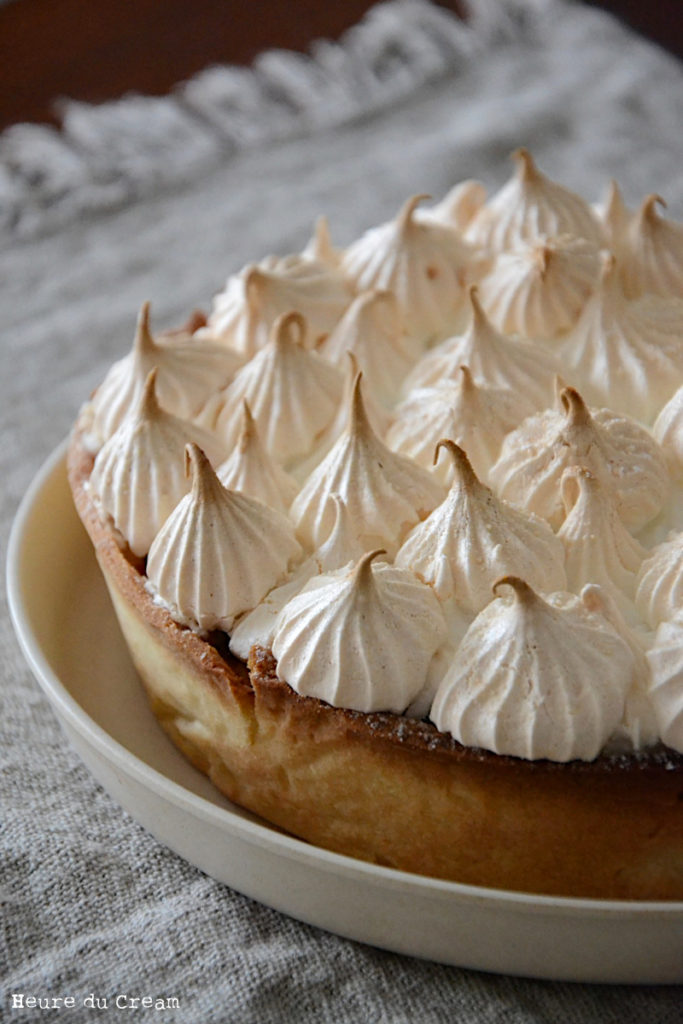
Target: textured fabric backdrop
161,199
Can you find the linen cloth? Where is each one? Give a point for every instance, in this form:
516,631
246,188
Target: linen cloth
161,199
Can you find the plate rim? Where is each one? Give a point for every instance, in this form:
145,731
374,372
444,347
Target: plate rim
283,844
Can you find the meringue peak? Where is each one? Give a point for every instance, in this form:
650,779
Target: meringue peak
358,425
199,468
148,404
405,220
463,467
647,212
320,247
362,571
255,284
289,329
144,345
577,413
527,170
523,594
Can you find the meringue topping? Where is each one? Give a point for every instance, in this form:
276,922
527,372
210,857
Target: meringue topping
319,248
218,553
377,414
386,493
660,582
372,329
138,476
187,373
244,313
599,547
653,258
615,217
628,353
621,454
426,264
475,415
638,727
472,538
458,207
668,429
494,358
360,639
530,206
539,289
535,678
342,547
293,395
251,471
666,693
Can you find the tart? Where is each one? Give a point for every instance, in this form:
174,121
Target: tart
468,670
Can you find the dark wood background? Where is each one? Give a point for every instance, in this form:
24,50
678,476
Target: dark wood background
99,49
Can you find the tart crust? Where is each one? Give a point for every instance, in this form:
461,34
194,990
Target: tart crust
385,788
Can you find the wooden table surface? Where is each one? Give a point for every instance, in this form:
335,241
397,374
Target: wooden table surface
99,49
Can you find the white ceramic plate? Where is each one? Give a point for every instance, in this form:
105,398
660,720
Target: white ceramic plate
70,637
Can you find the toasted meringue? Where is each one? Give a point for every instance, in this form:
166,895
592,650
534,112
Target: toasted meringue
138,476
378,416
598,546
668,429
638,727
621,454
494,358
530,206
218,553
385,492
659,596
428,267
360,639
458,207
319,248
666,693
372,329
476,416
188,371
653,258
535,678
472,538
615,217
293,395
342,548
539,289
251,471
244,313
628,354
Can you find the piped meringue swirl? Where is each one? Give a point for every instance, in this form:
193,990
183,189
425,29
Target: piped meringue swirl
360,639
386,493
472,538
138,475
531,206
615,449
218,553
535,678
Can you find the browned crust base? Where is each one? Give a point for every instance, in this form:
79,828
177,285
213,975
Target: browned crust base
388,789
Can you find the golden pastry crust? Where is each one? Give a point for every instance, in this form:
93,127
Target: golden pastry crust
388,789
